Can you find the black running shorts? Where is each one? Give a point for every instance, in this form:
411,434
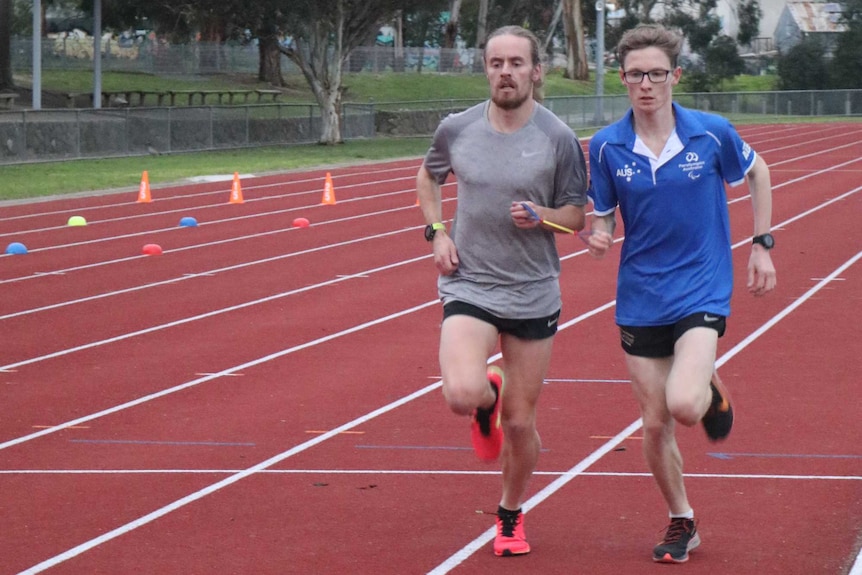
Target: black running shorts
658,341
534,328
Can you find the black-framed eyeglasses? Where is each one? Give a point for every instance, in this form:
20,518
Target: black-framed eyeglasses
637,77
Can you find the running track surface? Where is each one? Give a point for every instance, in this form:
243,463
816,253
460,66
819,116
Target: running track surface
265,399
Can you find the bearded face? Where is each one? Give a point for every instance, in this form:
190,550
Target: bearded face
510,71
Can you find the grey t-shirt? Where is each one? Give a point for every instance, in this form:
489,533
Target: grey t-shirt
509,272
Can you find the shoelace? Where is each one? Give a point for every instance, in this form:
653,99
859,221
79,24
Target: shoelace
483,416
508,524
675,531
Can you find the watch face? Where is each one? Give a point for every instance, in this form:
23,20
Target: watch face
429,232
766,240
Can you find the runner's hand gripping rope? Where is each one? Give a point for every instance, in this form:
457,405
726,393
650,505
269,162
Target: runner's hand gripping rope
583,234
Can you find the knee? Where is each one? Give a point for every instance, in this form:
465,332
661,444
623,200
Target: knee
685,410
657,429
463,399
519,429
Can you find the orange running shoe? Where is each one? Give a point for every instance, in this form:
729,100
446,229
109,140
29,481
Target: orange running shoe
486,431
510,539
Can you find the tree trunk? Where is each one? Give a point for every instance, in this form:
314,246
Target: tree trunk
447,53
322,65
398,65
211,37
269,69
481,36
576,56
6,82
555,21
330,118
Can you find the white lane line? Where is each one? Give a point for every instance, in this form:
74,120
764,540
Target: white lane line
209,314
464,553
421,472
458,557
204,379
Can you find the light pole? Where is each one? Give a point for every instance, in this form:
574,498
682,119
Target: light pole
600,61
37,55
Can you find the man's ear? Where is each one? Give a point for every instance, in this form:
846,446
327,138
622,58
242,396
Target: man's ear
537,73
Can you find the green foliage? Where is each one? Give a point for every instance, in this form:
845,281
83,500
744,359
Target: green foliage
722,59
845,70
700,29
696,81
748,14
803,67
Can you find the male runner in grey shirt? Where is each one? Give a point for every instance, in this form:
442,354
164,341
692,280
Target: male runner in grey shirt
499,267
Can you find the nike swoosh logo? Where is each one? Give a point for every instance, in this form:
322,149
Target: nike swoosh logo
526,154
551,322
710,318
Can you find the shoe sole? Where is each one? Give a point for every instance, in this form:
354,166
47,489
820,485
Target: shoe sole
726,403
510,553
481,448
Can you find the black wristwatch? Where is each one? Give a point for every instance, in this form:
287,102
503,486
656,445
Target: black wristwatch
766,240
431,230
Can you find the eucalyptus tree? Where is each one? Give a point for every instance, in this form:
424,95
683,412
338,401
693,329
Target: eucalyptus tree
320,36
316,35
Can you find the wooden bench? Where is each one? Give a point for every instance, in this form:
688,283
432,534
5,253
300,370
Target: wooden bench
132,97
262,93
7,100
72,99
116,98
203,95
237,93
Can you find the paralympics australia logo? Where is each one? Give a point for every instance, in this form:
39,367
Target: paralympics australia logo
692,166
627,171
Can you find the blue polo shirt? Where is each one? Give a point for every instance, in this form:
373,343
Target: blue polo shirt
676,257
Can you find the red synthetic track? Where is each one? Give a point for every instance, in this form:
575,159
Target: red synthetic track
265,399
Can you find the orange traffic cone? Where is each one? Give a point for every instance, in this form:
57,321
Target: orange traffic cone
328,191
236,190
144,192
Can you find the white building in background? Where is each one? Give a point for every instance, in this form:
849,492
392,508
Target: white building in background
771,11
800,20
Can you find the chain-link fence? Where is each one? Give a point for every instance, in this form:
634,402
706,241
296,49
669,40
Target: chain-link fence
153,56
42,135
45,135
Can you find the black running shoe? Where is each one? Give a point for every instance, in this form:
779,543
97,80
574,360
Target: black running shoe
718,419
679,538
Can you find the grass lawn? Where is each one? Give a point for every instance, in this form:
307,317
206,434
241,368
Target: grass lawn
24,181
35,180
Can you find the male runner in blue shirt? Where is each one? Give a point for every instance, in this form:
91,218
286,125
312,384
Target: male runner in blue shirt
666,167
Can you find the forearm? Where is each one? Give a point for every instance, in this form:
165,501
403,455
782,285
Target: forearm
606,223
760,187
429,195
569,216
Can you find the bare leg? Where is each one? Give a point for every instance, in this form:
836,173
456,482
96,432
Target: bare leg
465,345
649,376
526,363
